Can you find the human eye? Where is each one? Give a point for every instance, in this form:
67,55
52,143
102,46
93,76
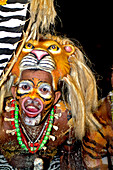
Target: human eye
44,90
24,87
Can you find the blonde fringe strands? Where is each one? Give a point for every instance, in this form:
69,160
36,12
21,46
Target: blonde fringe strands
82,90
42,16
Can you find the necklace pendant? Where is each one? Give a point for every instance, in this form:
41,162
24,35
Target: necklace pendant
38,164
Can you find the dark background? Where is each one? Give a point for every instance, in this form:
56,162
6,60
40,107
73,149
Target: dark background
91,24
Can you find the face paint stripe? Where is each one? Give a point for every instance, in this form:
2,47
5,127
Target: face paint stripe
27,81
45,98
39,82
48,108
20,95
48,104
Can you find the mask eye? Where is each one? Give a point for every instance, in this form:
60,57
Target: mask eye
54,49
24,87
28,47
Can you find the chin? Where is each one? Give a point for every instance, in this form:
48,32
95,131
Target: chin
31,121
32,111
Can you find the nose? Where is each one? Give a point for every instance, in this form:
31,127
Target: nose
34,94
39,53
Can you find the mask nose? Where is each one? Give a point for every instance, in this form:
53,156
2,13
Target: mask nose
39,54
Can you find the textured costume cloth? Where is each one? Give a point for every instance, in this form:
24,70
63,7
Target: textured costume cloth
72,159
12,21
55,164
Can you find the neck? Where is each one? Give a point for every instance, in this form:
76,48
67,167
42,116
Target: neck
32,132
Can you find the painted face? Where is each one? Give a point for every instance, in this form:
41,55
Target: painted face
35,96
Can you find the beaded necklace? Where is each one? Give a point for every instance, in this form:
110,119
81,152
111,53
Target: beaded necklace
44,134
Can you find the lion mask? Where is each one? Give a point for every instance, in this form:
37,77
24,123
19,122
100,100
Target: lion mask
65,62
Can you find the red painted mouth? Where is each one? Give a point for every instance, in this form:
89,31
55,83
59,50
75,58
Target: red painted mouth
32,107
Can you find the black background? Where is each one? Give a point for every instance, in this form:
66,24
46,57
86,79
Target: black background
91,24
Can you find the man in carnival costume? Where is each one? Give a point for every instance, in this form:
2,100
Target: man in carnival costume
53,105
52,108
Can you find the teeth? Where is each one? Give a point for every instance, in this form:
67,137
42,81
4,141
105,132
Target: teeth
52,137
8,119
55,127
58,105
56,116
11,131
44,148
8,109
31,107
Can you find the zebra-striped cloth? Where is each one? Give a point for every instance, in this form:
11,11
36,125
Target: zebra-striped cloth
54,165
12,21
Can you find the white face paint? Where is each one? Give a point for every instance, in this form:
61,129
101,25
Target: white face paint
25,87
44,90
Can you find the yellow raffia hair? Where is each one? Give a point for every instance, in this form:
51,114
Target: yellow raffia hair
82,90
42,14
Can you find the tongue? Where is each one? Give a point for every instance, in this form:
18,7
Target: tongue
31,109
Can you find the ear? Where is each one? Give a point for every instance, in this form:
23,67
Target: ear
13,90
69,49
57,96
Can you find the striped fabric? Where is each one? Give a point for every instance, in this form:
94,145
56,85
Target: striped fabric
54,164
12,20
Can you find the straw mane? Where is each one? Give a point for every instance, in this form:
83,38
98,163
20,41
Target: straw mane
81,90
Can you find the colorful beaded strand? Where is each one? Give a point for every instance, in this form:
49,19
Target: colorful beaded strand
12,113
21,138
19,133
46,137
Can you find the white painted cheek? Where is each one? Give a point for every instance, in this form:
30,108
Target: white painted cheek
46,96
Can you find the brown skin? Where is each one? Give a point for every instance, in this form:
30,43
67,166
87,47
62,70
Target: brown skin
9,141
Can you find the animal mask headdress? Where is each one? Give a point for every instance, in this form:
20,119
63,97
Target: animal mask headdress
66,63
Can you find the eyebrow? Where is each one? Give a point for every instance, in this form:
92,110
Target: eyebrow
33,82
42,82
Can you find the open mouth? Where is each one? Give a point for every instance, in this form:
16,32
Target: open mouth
32,107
